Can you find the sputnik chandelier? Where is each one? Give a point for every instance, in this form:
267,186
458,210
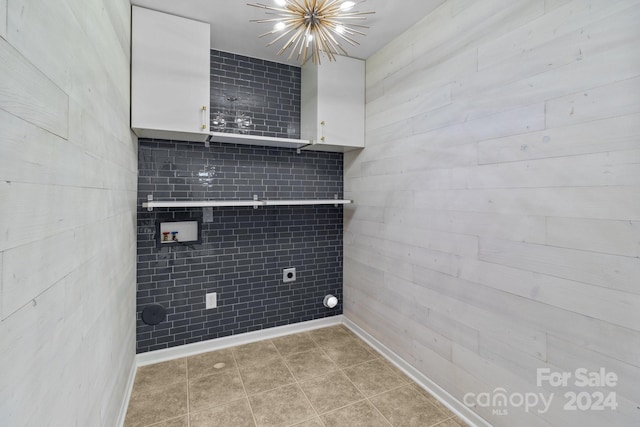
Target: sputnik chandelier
313,27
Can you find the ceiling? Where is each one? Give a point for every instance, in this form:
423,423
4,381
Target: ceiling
232,31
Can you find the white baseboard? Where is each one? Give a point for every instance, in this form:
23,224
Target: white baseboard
449,401
233,340
127,394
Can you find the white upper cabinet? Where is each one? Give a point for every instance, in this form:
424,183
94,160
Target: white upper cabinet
169,76
332,107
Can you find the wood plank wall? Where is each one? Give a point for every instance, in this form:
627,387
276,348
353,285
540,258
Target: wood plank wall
67,212
496,228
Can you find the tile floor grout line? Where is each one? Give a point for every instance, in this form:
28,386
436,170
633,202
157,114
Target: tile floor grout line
297,382
387,391
366,398
299,386
186,362
163,421
295,379
280,386
443,421
341,370
246,395
379,412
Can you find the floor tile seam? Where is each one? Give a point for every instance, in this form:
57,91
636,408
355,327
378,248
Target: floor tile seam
246,395
312,339
302,391
217,405
358,364
305,420
331,411
298,352
351,337
444,421
330,358
279,387
352,383
387,391
439,422
337,368
209,408
340,344
277,349
289,356
189,378
165,420
210,374
416,386
148,389
275,346
315,377
366,399
375,408
349,366
298,383
186,366
410,386
260,361
404,383
173,417
271,389
310,405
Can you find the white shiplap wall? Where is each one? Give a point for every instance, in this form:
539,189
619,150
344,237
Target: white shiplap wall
67,212
496,228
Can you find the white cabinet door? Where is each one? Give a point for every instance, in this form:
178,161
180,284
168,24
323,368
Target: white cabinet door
332,108
170,67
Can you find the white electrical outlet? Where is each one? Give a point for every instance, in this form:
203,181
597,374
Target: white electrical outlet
211,300
207,214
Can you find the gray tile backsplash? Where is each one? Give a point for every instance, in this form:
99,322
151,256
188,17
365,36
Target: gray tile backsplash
244,250
266,91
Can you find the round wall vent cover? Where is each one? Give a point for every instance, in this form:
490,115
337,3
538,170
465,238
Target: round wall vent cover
153,314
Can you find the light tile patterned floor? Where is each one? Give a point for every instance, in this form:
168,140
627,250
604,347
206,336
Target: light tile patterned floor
323,378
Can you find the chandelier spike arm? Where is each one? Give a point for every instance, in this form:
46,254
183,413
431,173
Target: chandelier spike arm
329,45
295,48
298,30
267,7
349,40
334,25
331,41
350,31
284,34
305,40
329,6
359,15
352,25
296,6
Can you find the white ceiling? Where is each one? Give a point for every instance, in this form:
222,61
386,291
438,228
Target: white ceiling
231,30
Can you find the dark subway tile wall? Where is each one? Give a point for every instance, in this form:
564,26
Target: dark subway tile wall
267,91
244,250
